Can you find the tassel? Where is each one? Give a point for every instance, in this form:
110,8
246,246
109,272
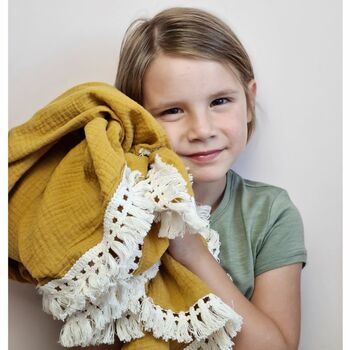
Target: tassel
76,331
182,333
62,306
199,329
172,225
128,328
222,340
212,320
98,318
108,334
169,325
203,212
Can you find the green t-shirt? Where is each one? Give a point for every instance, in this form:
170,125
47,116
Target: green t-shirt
260,229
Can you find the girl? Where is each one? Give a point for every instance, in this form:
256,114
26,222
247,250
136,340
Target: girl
189,70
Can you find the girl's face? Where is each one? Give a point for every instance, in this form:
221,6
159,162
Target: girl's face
203,108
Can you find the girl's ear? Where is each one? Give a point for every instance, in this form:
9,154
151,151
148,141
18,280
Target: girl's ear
251,96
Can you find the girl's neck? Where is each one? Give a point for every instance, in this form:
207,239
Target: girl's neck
209,193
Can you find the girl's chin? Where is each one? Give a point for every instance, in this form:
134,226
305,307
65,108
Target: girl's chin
207,178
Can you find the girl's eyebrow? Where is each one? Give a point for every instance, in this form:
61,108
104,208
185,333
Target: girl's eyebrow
223,93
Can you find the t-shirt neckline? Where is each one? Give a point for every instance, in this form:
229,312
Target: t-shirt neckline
226,199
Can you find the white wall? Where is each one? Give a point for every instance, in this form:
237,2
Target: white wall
295,47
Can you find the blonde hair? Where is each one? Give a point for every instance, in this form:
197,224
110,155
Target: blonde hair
186,32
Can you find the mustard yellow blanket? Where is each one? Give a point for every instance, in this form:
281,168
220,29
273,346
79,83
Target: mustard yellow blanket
95,193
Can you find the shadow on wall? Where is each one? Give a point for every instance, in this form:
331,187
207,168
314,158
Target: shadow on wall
26,320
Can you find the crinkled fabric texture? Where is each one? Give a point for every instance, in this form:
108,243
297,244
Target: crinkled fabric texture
95,194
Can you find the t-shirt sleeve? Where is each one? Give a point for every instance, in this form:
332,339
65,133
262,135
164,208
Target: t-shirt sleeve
283,240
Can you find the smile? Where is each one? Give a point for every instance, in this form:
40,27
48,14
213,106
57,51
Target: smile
205,156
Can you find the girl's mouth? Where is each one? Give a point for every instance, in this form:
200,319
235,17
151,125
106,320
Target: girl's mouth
205,156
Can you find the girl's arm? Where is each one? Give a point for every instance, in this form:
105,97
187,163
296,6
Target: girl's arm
271,320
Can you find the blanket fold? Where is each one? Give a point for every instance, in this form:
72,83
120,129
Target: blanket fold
95,194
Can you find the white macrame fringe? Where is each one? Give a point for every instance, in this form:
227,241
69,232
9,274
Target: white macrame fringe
128,218
100,297
203,211
95,325
219,340
208,320
129,327
210,235
176,209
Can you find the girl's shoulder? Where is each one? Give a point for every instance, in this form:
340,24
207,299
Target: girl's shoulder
254,200
252,185
257,202
255,193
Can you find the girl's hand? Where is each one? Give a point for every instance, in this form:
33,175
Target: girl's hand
188,249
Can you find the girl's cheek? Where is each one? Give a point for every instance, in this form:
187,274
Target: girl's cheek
172,135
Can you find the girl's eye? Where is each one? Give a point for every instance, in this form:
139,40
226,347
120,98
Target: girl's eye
170,115
220,101
174,110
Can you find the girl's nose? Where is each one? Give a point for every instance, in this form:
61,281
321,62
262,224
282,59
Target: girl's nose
200,127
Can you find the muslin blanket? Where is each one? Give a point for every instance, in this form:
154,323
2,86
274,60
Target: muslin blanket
95,194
